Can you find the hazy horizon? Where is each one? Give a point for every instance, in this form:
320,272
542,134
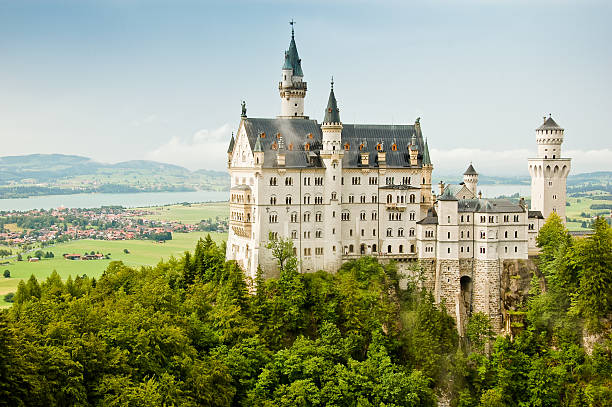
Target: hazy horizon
159,80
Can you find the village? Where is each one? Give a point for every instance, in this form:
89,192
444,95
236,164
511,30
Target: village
23,230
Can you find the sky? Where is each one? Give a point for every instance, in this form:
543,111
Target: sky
162,80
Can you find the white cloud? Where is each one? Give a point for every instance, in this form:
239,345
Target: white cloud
513,162
204,150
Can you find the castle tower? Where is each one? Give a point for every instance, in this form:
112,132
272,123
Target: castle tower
331,155
549,171
291,87
470,179
427,169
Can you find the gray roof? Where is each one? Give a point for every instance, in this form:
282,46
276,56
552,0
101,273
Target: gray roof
489,206
430,219
535,214
549,124
298,132
292,59
470,170
447,195
332,114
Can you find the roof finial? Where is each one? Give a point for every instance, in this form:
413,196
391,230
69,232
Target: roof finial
332,82
292,23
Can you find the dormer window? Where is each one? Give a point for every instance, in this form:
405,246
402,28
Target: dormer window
394,147
278,135
263,135
274,146
361,147
309,135
378,147
347,146
290,146
307,146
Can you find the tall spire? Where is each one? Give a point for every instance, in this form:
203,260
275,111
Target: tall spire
292,59
426,158
332,113
257,147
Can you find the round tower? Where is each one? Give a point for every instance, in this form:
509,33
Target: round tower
292,88
470,179
549,171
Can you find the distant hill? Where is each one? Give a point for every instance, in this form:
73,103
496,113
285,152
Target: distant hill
43,174
596,178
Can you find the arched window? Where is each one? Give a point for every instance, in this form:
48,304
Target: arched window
374,248
389,249
394,147
412,198
401,248
351,248
347,146
389,199
273,200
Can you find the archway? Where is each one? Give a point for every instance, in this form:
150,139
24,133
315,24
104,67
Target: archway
466,295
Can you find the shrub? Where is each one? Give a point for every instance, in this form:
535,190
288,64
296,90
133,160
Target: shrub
7,273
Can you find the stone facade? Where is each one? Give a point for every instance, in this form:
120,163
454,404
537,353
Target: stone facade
340,191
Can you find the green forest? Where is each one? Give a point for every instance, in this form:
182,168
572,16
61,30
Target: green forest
194,332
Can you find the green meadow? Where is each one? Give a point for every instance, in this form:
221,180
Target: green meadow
141,252
188,213
579,205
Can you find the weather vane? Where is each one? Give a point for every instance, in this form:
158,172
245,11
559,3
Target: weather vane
292,23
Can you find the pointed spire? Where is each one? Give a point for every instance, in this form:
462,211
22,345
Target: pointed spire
258,148
470,170
332,113
292,59
426,158
231,144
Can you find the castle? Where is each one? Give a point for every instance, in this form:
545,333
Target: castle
340,191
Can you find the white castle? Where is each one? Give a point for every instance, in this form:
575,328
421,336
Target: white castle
340,191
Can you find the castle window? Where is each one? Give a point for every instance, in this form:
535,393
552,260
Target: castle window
412,215
307,251
288,200
318,217
306,216
505,249
294,217
351,198
462,234
394,147
294,234
361,146
273,217
263,135
448,235
362,199
389,232
389,199
515,249
306,235
400,232
274,146
307,146
506,234
356,180
309,135
351,248
306,199
411,232
288,181
378,147
318,200
461,249
449,219
347,146
334,196
373,180
272,181
374,232
468,249
373,248
362,232
319,234
374,215
374,198
516,233
272,200
448,250
401,248
345,215
389,249
362,215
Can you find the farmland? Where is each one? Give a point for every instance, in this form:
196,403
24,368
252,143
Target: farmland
141,252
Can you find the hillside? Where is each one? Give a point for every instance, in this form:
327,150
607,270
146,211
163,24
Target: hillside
45,174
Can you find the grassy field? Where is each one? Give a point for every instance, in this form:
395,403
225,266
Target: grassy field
189,213
580,205
142,252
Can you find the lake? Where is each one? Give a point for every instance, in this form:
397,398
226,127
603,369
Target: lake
131,200
165,198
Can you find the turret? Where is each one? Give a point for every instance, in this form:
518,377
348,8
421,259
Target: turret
332,126
258,153
230,150
413,150
470,179
549,137
291,87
